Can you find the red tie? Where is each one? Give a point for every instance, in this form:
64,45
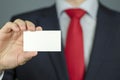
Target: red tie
74,51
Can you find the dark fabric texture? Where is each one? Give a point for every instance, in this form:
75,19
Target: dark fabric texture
105,55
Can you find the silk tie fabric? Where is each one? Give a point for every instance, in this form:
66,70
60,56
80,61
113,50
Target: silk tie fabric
74,50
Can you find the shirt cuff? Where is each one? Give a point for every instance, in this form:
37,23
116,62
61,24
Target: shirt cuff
1,74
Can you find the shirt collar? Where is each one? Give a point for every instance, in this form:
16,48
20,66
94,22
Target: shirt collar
90,6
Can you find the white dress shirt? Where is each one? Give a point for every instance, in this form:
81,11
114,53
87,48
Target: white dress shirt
88,22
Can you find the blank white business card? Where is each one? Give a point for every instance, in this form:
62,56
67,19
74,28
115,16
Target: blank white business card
42,41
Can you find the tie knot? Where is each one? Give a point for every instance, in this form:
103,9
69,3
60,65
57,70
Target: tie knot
75,13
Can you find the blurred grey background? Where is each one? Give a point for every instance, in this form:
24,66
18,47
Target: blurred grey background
9,8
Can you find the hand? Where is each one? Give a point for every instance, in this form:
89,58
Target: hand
11,44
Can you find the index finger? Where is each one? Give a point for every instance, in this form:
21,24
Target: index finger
9,26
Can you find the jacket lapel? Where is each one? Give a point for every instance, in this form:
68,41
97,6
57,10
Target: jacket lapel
101,44
49,21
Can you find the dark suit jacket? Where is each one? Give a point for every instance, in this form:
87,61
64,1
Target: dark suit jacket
105,55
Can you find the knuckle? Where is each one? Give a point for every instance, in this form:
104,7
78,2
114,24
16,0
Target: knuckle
8,23
17,20
29,23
